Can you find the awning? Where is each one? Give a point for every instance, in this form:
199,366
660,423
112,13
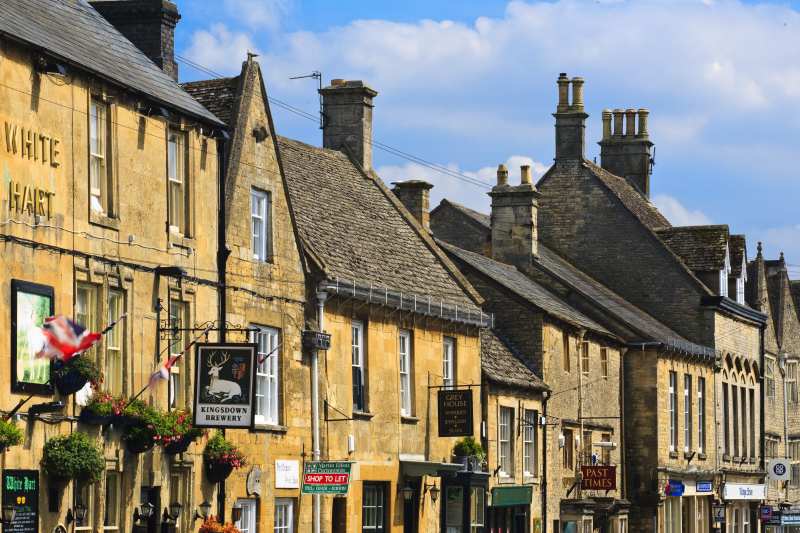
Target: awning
428,468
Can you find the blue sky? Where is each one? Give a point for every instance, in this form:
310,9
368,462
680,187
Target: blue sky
469,85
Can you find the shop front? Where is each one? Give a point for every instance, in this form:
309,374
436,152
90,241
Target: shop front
510,509
464,502
742,502
687,506
783,520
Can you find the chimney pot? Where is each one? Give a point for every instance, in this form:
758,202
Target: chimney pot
643,124
618,115
525,171
563,93
577,95
630,126
502,176
606,124
337,82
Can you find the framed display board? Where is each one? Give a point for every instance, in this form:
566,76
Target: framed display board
31,303
224,390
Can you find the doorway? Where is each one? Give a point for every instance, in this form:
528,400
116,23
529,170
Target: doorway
154,497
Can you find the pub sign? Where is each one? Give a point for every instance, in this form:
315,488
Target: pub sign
599,477
21,487
224,385
455,413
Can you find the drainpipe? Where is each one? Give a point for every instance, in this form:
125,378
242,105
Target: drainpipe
622,352
321,297
581,334
546,396
222,257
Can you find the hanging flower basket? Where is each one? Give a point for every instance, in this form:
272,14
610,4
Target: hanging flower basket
216,472
179,446
10,435
89,417
124,421
70,383
73,377
73,456
140,445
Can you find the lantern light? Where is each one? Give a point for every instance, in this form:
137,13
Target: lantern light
175,510
236,513
9,512
408,493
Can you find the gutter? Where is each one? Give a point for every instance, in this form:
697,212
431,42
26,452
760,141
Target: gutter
726,304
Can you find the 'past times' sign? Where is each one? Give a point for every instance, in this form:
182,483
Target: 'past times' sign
21,487
224,387
455,413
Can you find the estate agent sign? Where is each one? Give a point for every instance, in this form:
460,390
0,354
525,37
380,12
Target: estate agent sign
21,487
224,387
455,413
326,477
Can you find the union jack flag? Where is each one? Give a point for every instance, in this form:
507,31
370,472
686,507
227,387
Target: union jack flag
64,339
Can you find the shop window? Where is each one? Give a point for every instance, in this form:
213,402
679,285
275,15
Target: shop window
567,450
565,350
745,520
284,515
701,415
529,443
504,440
604,363
372,516
585,359
770,378
98,161
476,510
357,345
86,497
687,412
447,363
673,412
454,509
176,169
791,382
248,523
259,213
404,349
114,348
178,341
111,519
267,382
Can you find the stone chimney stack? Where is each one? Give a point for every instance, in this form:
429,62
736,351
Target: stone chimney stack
149,25
416,196
514,212
570,120
347,117
627,154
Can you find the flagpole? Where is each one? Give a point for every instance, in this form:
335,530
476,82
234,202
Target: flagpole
72,360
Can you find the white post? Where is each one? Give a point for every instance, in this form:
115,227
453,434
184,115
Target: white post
321,297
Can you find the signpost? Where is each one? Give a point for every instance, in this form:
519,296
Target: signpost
455,413
21,487
598,478
779,469
766,512
326,477
224,385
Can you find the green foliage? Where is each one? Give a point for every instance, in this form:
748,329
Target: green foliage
86,367
103,404
468,447
218,450
73,456
164,428
10,434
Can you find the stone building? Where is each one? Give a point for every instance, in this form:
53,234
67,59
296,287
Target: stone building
109,207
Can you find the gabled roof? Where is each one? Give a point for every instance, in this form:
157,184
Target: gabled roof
73,32
518,283
631,198
502,363
359,231
613,304
481,221
700,247
738,251
216,95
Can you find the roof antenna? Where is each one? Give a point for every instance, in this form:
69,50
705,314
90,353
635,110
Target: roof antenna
652,161
317,75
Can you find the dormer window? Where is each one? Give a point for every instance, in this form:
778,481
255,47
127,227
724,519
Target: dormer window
723,282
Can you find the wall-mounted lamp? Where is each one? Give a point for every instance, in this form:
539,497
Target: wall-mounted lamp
174,511
236,513
408,493
202,511
157,112
51,67
612,445
144,512
782,356
216,134
434,492
77,516
9,512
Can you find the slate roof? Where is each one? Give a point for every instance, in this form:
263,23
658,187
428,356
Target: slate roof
502,363
73,31
604,298
520,284
738,252
632,199
481,220
357,232
700,247
216,95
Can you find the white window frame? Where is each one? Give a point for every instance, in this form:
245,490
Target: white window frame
260,249
687,412
115,343
447,363
604,363
701,414
98,170
770,377
357,362
249,520
791,381
404,354
113,479
585,359
723,281
176,180
673,412
505,416
267,375
379,507
529,443
88,499
177,491
177,372
284,515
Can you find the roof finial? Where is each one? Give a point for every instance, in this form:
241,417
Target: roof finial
781,256
759,248
250,56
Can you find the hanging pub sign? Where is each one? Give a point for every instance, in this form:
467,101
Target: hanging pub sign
599,478
21,487
455,413
224,390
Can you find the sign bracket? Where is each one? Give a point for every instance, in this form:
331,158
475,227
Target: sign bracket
327,405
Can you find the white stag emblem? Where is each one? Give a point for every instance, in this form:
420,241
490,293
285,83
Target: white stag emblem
221,386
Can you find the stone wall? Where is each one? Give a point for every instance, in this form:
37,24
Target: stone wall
452,228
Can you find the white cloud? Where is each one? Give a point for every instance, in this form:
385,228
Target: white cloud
678,215
220,49
259,13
